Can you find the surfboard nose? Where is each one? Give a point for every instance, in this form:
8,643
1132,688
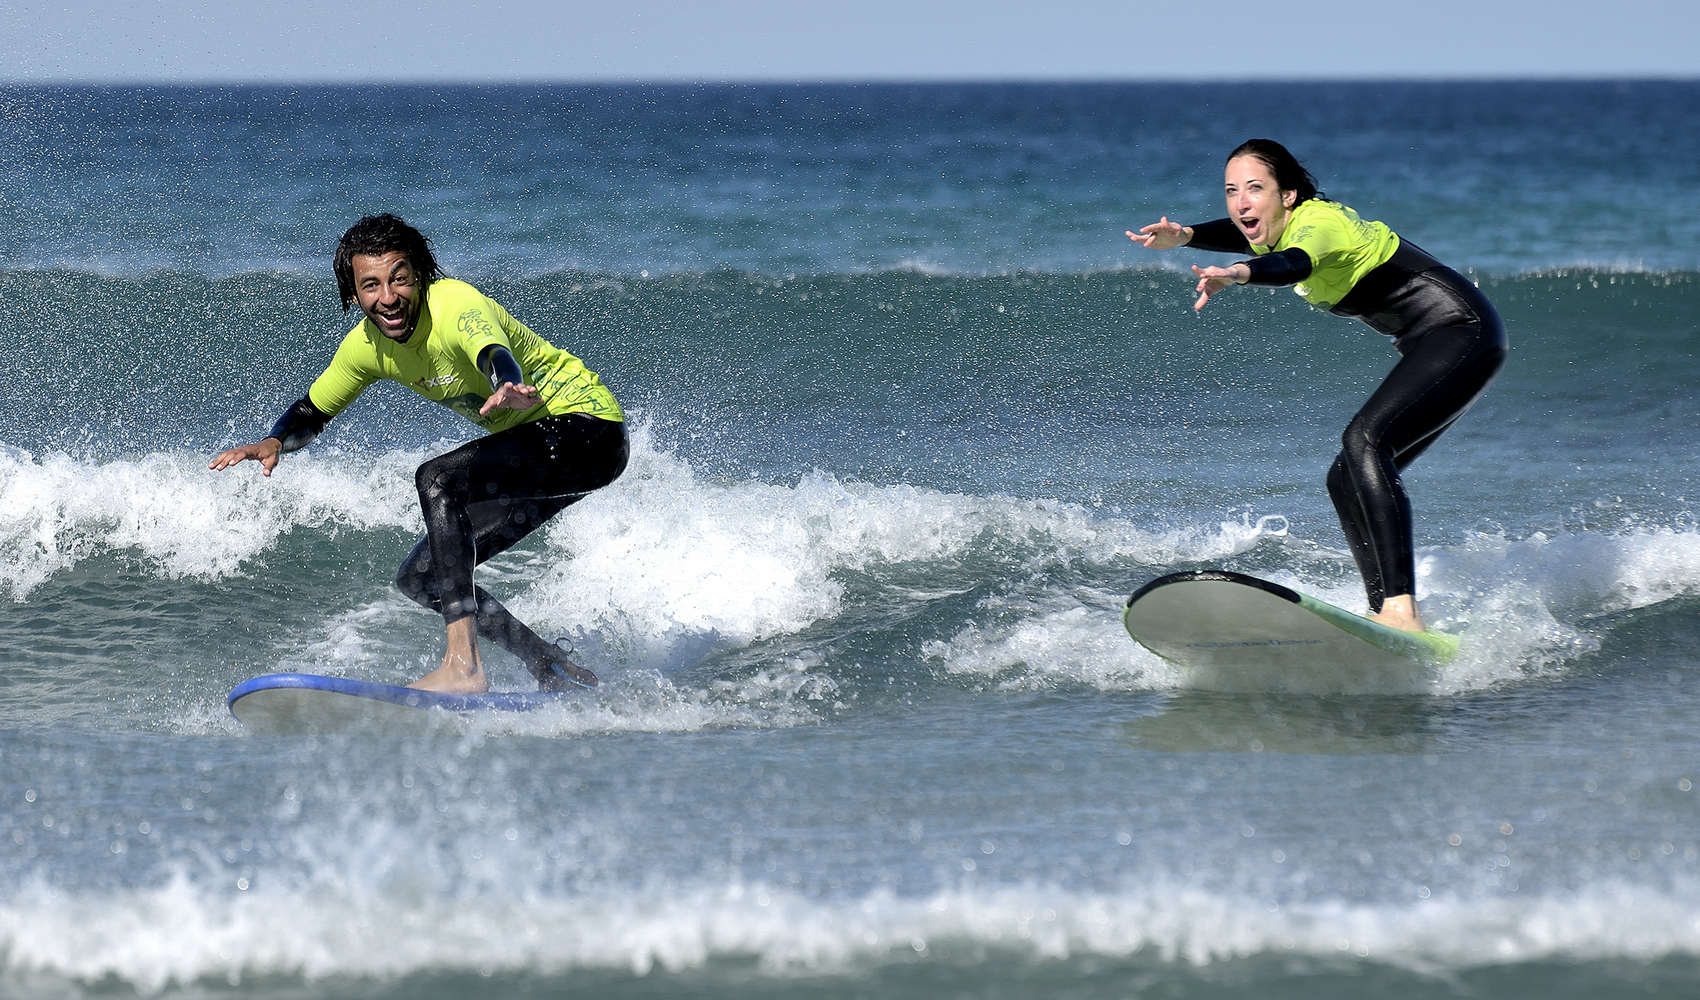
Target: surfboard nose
1234,632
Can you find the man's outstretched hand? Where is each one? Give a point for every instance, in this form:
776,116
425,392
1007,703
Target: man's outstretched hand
511,397
265,452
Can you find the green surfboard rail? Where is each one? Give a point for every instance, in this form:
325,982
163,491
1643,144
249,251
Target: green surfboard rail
1433,647
1190,624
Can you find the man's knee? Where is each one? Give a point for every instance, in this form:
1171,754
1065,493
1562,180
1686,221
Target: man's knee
413,578
437,477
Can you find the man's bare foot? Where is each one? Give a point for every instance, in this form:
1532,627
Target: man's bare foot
454,678
1400,612
462,671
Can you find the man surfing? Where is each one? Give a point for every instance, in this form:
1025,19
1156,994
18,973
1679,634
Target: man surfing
556,434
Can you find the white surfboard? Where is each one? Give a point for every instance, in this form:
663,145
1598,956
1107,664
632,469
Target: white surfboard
1234,632
305,704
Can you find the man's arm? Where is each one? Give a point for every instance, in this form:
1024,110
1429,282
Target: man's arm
498,365
298,426
511,393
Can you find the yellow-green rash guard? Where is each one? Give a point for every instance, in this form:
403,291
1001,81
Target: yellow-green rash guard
440,362
1342,249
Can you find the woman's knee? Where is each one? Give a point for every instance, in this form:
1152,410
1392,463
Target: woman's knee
1340,480
1361,443
1491,360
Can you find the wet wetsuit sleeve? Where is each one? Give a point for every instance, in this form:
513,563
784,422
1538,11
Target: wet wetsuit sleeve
1284,267
498,365
299,425
1288,267
1219,236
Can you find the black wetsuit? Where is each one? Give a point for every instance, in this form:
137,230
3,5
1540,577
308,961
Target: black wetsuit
1451,344
484,496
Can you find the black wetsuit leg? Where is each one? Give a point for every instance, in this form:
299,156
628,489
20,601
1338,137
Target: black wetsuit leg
1452,344
486,495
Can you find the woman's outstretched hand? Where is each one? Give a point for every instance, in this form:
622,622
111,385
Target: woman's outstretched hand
1213,279
1161,235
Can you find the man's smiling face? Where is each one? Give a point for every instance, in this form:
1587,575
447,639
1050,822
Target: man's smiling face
388,291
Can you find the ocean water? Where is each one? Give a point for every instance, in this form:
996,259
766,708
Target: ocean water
910,418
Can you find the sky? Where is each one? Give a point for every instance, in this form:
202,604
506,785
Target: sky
479,41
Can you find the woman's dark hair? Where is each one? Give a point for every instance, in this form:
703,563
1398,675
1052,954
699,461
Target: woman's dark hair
1290,174
376,235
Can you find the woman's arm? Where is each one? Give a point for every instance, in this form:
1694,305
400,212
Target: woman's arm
1161,235
1289,267
1218,235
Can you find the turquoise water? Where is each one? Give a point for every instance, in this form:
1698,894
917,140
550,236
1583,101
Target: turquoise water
911,418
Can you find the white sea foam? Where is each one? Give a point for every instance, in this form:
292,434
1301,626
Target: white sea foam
1525,605
1071,638
666,558
1523,608
184,519
390,919
668,564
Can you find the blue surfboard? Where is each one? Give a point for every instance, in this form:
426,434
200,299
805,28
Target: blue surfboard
283,704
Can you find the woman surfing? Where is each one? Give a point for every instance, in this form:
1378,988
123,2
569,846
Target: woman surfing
1450,340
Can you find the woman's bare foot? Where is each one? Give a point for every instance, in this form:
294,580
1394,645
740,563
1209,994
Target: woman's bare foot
1400,612
462,671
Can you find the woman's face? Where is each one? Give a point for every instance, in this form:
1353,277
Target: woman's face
1255,202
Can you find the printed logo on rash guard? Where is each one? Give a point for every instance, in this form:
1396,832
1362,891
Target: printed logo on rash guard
475,325
432,383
